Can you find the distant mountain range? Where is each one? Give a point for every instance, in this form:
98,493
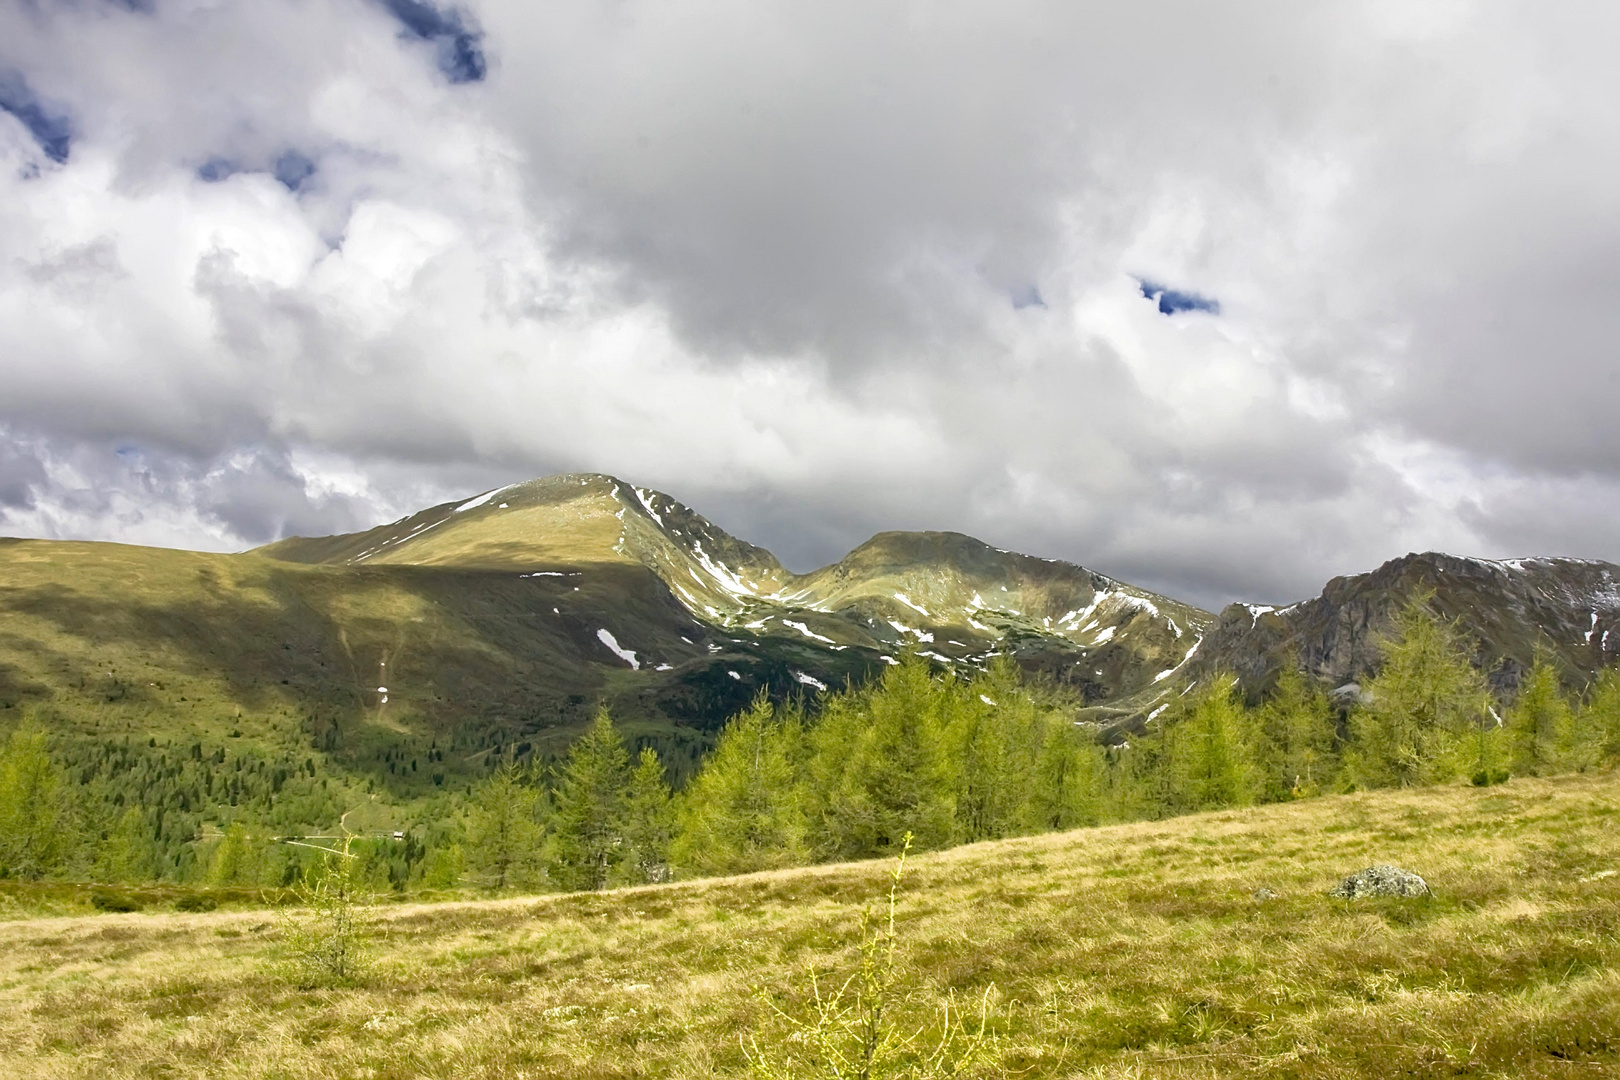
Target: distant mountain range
520,609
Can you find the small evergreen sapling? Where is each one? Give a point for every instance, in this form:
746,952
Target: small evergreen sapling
851,1031
324,937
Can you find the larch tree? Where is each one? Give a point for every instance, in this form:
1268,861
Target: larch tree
128,853
742,811
1599,719
587,817
235,860
648,825
36,809
1426,698
1540,723
1213,763
503,830
880,768
1296,746
1065,788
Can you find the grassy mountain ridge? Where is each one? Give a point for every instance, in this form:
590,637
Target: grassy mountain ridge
947,595
387,667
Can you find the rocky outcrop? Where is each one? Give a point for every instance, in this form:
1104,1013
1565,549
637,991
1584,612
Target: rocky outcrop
1382,880
1507,609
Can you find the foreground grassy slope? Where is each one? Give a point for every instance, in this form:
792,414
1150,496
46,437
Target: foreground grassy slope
1135,950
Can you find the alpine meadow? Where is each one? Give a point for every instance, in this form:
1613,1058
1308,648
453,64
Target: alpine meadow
865,540
1039,832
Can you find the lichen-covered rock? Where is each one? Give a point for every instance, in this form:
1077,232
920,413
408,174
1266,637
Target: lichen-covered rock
1381,880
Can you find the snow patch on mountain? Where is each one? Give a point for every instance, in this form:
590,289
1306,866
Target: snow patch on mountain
809,680
806,631
645,498
915,607
480,500
627,655
722,574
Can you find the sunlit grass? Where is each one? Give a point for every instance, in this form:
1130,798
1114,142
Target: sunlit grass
1134,950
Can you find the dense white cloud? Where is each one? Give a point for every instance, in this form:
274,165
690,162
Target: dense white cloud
823,269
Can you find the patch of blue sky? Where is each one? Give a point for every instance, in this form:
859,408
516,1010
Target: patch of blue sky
293,170
1172,301
458,46
52,129
216,169
1025,296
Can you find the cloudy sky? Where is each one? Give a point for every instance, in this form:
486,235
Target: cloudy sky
1223,299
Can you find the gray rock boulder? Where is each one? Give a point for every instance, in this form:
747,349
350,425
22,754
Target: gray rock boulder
1381,880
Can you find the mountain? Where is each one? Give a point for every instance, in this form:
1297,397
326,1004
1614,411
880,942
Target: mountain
489,628
1569,609
419,651
950,597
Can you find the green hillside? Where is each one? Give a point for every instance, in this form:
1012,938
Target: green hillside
381,675
1143,950
397,664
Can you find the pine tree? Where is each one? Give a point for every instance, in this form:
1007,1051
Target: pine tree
1065,789
1425,700
503,830
588,808
1296,746
128,853
1598,723
742,811
1212,765
648,823
235,860
1541,725
879,766
36,810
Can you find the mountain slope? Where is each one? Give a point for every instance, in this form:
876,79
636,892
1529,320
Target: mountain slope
1569,608
491,627
411,657
949,596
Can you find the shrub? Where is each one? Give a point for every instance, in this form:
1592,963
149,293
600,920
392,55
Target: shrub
108,900
196,902
323,938
851,1032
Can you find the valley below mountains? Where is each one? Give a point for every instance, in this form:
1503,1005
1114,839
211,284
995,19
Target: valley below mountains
506,619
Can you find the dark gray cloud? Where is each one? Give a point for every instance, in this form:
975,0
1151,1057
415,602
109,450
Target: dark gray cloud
1223,299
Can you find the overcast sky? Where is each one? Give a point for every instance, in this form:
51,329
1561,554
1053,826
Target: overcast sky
1222,299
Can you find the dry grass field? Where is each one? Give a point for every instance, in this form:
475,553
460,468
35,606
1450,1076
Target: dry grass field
1130,951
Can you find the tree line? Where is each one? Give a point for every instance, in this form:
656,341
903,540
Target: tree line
944,758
